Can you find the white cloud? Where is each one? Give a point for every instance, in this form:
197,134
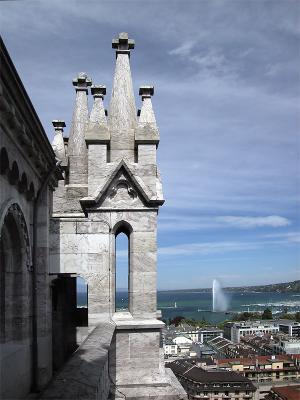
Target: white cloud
273,221
184,49
190,223
285,237
205,248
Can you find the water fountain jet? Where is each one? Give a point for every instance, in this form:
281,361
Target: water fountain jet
220,301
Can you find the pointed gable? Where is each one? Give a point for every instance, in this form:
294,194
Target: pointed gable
122,190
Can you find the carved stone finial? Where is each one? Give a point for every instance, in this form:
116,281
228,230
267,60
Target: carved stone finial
147,131
146,91
58,144
82,81
98,91
59,125
123,44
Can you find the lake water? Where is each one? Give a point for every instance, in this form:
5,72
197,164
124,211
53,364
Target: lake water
191,304
196,305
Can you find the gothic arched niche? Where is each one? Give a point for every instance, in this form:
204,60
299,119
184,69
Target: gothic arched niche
15,284
4,161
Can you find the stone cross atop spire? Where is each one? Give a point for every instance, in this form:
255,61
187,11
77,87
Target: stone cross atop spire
82,81
123,44
122,118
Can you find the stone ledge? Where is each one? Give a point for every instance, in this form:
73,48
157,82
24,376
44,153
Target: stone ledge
127,322
171,390
85,375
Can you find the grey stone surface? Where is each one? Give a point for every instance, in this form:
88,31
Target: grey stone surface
77,151
122,193
97,130
86,374
122,110
58,141
26,158
147,131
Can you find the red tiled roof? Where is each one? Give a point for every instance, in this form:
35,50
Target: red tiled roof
259,359
287,392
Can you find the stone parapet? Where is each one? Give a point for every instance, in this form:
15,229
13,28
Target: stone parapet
86,374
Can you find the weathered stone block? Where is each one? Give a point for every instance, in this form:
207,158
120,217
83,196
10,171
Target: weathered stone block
147,154
143,242
91,227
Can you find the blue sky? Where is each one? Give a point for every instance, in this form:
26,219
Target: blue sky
227,83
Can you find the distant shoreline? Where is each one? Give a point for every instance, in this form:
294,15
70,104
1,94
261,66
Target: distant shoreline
287,287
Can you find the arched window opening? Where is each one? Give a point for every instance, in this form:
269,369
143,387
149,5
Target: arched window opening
122,271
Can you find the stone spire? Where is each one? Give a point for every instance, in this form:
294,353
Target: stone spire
122,110
76,146
98,111
58,141
147,131
97,128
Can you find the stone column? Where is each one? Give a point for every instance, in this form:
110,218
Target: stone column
77,147
98,140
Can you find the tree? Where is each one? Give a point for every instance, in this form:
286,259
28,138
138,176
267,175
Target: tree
176,320
267,314
297,316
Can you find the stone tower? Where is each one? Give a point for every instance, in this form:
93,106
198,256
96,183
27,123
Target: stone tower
112,185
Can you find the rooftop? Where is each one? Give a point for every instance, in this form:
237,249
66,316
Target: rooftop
287,392
253,360
188,369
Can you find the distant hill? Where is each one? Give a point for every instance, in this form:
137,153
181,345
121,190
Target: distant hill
291,287
287,287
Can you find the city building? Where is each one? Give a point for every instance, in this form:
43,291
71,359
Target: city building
284,393
262,345
235,330
264,371
170,348
203,350
263,368
185,329
225,348
182,339
208,333
203,384
287,345
291,328
279,343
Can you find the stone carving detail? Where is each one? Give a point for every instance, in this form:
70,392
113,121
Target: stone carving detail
121,191
15,211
